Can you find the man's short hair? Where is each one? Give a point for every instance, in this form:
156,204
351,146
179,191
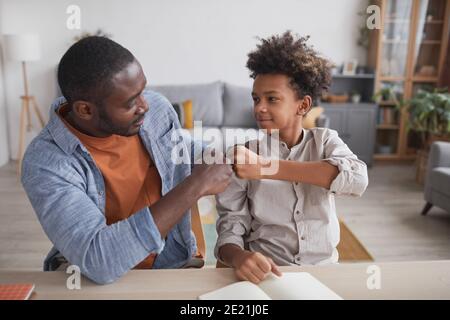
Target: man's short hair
87,68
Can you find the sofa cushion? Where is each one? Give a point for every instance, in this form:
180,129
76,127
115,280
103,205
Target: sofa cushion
440,180
206,100
238,106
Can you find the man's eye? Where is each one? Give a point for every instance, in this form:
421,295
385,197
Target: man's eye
273,99
255,99
131,103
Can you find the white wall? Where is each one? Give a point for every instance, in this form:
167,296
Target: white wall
176,41
4,144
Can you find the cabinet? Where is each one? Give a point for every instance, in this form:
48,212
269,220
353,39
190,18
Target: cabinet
355,123
407,54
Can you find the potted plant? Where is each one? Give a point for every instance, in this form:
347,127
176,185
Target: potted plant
429,118
429,115
387,94
355,96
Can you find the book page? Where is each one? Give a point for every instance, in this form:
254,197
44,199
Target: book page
296,286
242,290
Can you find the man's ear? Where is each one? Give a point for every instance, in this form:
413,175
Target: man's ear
83,109
304,105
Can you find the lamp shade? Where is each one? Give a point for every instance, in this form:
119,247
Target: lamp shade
22,47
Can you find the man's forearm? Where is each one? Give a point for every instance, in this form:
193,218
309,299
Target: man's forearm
171,207
319,173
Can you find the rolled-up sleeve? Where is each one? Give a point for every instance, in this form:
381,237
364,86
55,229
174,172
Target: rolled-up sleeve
352,178
234,219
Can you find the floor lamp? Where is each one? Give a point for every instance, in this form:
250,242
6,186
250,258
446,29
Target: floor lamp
24,48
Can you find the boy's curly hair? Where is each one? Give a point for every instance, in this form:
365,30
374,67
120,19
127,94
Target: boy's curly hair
290,55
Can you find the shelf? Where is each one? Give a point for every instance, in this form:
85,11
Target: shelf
415,78
425,79
383,156
355,76
393,41
393,156
387,127
397,20
430,42
392,78
387,104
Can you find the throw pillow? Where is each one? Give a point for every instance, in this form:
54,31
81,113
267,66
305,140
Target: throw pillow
184,112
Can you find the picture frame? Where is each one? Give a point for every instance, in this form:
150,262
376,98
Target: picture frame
349,67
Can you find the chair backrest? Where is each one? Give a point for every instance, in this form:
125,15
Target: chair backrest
198,232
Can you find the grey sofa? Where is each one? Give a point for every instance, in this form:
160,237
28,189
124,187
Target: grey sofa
221,107
437,181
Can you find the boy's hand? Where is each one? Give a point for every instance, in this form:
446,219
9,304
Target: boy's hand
247,164
253,266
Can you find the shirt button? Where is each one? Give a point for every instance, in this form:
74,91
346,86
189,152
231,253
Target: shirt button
100,193
303,238
297,259
297,212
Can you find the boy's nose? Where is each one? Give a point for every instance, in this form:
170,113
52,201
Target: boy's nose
260,107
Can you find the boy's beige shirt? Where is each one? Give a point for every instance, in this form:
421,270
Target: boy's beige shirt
293,223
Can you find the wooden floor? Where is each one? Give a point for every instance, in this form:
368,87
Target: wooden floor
386,220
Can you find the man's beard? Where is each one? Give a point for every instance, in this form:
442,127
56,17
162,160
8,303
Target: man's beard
108,126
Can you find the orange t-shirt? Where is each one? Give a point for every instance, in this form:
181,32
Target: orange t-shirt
132,181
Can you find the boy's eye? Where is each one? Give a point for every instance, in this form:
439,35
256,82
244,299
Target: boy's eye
273,99
255,99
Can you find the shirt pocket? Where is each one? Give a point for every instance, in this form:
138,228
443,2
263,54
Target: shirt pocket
315,195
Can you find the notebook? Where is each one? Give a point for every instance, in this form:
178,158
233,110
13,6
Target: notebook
16,291
291,286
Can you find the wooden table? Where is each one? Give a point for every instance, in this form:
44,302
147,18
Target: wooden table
399,280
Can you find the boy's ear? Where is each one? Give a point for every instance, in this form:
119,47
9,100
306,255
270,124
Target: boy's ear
83,109
305,105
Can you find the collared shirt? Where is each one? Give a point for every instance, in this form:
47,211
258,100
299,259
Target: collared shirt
67,192
291,222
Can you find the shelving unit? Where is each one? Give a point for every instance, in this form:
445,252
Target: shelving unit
407,53
354,121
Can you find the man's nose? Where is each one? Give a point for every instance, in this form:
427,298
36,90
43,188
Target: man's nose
142,105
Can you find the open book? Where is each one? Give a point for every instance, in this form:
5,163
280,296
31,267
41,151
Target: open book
291,286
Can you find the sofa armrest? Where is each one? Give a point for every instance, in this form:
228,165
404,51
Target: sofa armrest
439,155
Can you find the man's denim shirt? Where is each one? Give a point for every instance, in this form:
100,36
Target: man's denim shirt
67,192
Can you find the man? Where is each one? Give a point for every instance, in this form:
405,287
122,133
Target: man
100,175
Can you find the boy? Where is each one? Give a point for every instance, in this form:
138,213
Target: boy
289,217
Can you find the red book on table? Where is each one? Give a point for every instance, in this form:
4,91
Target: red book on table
16,291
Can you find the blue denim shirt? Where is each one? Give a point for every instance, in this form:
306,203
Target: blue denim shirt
67,192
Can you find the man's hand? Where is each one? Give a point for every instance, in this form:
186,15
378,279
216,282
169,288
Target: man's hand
212,178
253,266
247,164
